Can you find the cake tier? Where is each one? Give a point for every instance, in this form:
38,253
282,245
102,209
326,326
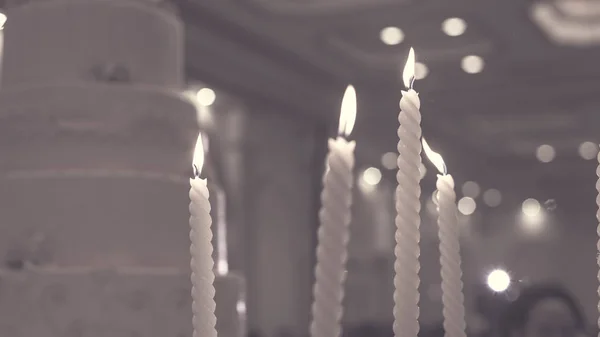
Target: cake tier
115,303
94,40
95,175
116,113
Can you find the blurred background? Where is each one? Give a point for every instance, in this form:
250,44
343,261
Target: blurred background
101,102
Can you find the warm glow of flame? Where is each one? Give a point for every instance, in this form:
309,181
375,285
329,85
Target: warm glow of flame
198,161
348,112
435,158
2,20
408,75
222,266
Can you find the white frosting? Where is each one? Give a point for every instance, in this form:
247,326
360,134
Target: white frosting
110,302
69,41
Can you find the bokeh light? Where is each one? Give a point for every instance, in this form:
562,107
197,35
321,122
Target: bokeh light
492,197
471,189
371,176
531,207
588,150
454,26
467,205
389,160
498,280
391,36
532,220
545,153
472,64
421,71
206,96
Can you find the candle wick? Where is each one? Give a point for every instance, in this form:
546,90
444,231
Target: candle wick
196,171
412,83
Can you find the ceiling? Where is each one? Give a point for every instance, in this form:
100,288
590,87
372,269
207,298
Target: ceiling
535,89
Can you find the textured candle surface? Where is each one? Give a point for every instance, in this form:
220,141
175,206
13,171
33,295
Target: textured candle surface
452,287
408,206
203,276
333,236
598,233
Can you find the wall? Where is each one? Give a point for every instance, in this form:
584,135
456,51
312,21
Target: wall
283,166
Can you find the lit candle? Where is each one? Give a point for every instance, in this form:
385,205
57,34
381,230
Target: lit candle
452,286
203,276
333,234
408,206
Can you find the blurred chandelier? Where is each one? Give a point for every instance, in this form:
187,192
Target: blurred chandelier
569,22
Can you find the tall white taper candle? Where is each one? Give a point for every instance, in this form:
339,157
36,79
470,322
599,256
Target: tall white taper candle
449,235
333,234
203,276
598,233
408,206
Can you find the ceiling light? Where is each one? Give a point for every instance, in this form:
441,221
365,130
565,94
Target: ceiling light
391,36
472,64
545,153
454,26
206,96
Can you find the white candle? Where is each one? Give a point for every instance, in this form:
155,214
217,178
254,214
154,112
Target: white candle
333,234
598,233
203,276
408,206
448,232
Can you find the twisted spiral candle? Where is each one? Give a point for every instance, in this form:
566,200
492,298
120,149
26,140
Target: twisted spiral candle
598,232
203,276
333,234
408,206
452,286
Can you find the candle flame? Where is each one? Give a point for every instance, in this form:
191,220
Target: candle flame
408,76
198,161
348,112
435,158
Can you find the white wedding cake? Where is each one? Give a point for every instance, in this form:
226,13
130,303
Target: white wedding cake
95,150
